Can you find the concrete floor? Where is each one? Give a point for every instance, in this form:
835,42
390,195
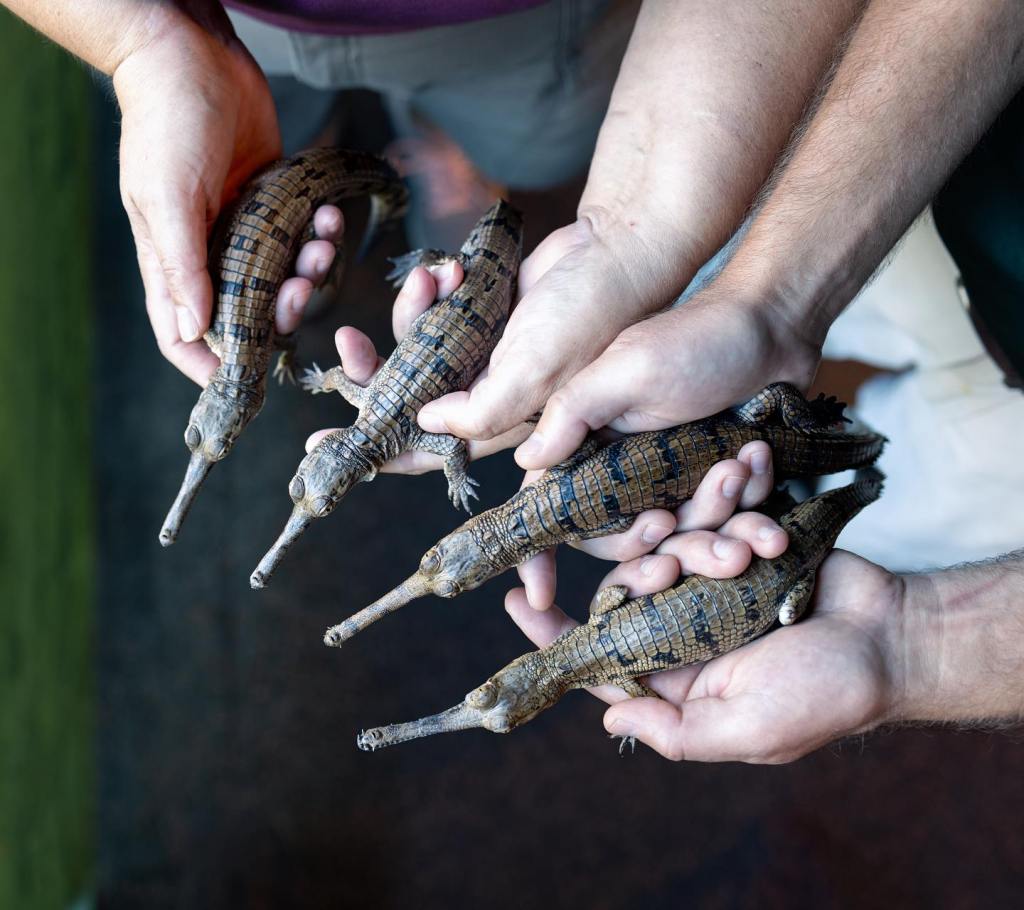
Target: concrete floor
229,776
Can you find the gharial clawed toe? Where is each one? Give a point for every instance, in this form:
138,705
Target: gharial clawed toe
313,380
461,490
623,740
284,369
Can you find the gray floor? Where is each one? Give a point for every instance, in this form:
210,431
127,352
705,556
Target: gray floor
229,776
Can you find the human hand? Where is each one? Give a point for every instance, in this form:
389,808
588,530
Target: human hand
834,673
583,284
197,122
687,536
715,350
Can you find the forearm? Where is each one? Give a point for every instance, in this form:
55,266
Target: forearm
916,88
104,32
962,644
707,96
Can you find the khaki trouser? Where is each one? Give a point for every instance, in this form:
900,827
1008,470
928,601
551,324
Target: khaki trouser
523,94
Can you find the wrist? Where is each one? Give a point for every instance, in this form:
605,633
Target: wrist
639,250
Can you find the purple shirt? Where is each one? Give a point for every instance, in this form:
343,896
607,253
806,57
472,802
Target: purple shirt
360,17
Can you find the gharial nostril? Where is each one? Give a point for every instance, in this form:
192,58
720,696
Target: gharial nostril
257,581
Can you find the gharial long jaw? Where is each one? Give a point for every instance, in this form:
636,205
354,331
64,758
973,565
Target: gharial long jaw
198,467
461,717
412,588
297,523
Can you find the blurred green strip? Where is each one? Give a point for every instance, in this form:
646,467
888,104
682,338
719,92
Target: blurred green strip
47,786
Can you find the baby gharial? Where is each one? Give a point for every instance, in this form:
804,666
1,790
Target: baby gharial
443,351
254,247
605,485
628,638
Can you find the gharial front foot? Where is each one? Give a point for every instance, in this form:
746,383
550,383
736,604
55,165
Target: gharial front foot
316,381
284,369
460,490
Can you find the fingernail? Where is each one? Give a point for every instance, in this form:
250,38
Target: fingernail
320,268
767,533
532,447
648,564
446,271
760,461
297,303
732,486
723,548
188,328
655,533
620,727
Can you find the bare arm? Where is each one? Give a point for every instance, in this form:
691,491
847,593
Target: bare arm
917,85
197,120
920,83
962,640
706,98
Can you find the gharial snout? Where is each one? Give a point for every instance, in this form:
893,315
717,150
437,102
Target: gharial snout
198,467
297,523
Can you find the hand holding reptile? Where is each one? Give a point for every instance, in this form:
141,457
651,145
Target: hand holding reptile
197,122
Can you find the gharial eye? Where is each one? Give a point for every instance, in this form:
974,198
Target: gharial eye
219,449
483,697
447,589
193,437
296,489
322,506
430,563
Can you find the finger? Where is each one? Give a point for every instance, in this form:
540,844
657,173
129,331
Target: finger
448,276
314,440
492,406
540,626
358,356
538,577
194,359
543,627
314,261
704,729
415,297
329,223
291,303
177,229
649,530
757,456
763,535
592,399
646,575
708,553
715,498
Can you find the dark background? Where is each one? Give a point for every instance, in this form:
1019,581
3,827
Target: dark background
229,775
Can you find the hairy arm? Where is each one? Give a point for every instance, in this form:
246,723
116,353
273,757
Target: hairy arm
962,642
917,85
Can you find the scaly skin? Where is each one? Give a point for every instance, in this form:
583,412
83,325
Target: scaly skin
444,351
694,621
602,489
253,250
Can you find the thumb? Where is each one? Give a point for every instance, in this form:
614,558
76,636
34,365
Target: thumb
498,401
705,729
178,233
593,398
